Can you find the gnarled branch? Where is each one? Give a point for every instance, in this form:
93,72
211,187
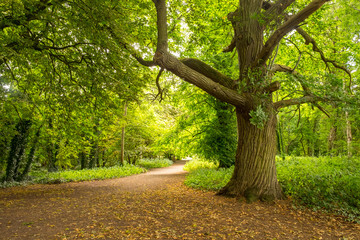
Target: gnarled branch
160,91
309,39
130,49
307,91
169,62
231,47
274,10
209,72
289,25
172,64
296,101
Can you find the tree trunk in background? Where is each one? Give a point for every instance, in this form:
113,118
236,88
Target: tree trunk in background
52,150
280,141
30,156
93,156
18,144
83,162
348,134
123,139
255,172
332,146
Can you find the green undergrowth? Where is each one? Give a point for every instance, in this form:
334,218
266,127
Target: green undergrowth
206,175
42,176
149,163
88,174
331,184
325,183
195,164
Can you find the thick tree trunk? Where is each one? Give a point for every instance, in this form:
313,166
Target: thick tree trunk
254,175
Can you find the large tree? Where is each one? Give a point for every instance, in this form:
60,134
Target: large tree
84,40
255,39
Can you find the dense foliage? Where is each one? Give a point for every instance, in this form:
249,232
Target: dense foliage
327,183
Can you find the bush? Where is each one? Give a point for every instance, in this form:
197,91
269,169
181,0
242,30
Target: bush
209,179
197,164
205,175
331,184
78,175
90,174
154,163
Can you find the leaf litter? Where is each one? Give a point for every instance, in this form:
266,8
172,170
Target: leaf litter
155,205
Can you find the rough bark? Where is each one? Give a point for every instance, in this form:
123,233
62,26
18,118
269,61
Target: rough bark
248,33
254,175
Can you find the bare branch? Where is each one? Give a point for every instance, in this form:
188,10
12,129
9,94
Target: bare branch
160,91
300,53
309,39
296,101
231,47
289,25
274,10
130,49
322,109
282,68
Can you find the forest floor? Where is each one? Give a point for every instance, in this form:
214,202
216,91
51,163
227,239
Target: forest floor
154,205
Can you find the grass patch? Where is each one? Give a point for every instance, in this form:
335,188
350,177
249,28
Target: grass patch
154,163
44,177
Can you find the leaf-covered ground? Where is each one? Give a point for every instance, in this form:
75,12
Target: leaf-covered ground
154,205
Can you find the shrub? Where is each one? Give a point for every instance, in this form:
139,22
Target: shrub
198,163
154,163
90,174
210,179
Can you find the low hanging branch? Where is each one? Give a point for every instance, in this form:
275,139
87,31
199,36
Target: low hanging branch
160,91
169,62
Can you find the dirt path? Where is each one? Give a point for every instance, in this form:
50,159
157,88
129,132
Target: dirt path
154,205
